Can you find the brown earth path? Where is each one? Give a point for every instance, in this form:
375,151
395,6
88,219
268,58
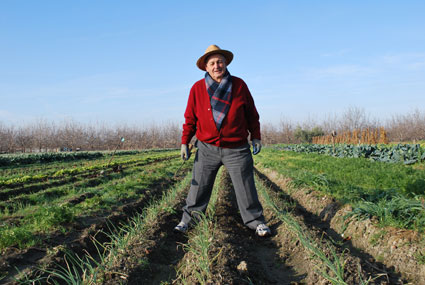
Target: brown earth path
260,260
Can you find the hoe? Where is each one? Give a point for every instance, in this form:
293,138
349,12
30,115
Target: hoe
190,151
116,168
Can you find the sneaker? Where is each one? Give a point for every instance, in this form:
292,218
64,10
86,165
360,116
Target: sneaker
263,230
181,228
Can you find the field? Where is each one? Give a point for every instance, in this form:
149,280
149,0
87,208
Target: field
99,219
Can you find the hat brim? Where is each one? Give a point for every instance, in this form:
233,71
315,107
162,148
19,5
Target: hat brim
228,55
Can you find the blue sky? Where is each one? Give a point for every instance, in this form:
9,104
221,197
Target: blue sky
133,62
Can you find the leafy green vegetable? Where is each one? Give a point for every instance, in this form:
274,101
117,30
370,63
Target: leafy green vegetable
407,153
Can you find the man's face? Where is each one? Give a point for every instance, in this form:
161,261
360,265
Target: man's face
216,66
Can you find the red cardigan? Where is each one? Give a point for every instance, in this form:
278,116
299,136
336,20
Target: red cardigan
241,118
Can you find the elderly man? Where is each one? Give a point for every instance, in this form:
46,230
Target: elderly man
221,112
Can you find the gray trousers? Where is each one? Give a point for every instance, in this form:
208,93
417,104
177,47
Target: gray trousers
239,164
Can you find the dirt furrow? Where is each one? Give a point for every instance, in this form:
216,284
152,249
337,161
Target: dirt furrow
88,177
358,266
242,257
152,258
79,240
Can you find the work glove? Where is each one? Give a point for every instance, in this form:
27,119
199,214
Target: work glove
256,146
185,152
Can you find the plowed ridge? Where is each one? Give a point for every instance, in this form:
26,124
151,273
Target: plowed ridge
219,249
141,248
78,235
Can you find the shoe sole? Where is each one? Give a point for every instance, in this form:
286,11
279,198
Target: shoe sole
266,234
177,231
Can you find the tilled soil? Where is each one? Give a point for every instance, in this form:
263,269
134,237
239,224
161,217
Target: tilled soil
153,258
386,251
89,178
240,257
80,240
358,266
243,256
237,255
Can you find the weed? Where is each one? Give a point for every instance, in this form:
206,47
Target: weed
77,270
19,236
143,263
395,211
377,237
25,278
51,216
391,192
420,257
380,258
169,210
93,202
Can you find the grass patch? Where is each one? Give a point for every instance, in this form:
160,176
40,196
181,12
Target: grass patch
51,217
20,236
394,193
420,258
396,211
89,270
46,211
377,237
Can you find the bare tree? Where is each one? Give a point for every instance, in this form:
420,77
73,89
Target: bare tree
40,135
286,129
354,118
331,123
47,136
269,134
409,127
23,138
7,137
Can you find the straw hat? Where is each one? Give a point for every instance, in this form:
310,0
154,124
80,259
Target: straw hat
213,49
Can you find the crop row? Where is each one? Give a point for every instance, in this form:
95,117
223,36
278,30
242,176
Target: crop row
69,207
75,170
367,213
16,194
195,268
29,158
121,249
393,193
61,207
142,251
330,266
408,153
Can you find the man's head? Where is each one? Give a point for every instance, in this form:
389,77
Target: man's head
214,50
216,66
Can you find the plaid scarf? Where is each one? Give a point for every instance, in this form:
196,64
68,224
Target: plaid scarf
220,97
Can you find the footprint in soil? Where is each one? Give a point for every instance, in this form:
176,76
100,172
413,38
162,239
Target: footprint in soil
252,259
270,261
